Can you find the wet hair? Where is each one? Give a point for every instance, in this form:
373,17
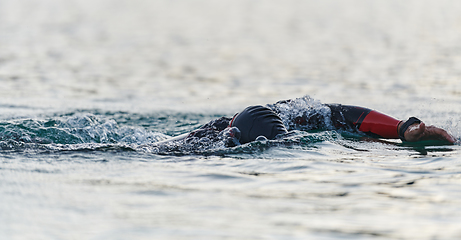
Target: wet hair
257,121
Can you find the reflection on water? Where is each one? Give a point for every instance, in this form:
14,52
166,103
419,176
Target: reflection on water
146,54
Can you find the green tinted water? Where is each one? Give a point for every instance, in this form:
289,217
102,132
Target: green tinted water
87,88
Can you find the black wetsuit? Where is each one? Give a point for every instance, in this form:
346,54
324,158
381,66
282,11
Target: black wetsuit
318,117
337,116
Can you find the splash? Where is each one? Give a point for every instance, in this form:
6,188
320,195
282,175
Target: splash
89,132
79,129
303,113
143,133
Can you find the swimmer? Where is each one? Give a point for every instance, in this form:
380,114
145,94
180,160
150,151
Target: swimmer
265,122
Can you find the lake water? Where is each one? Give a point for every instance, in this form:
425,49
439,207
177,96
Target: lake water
88,88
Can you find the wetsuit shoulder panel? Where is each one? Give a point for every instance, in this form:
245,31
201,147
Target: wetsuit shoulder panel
380,124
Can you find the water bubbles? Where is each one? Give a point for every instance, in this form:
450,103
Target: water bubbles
82,121
261,139
204,141
230,136
78,129
303,113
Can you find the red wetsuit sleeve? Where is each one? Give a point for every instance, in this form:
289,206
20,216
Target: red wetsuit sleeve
380,124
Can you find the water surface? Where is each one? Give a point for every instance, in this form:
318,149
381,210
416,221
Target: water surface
88,88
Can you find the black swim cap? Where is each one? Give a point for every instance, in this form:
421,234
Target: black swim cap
257,121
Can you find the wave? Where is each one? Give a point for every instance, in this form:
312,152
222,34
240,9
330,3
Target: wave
122,131
79,129
90,132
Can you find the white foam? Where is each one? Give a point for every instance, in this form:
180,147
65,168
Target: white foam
305,107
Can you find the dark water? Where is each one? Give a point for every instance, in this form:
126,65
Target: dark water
99,174
88,88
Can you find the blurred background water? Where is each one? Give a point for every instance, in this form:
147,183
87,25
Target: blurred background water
86,88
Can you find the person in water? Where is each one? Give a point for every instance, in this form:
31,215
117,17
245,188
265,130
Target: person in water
268,122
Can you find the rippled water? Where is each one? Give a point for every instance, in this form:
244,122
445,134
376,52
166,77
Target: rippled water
87,88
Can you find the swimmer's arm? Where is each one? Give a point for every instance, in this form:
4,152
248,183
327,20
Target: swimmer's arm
381,125
420,132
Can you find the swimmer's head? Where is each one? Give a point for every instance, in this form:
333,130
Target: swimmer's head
257,121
